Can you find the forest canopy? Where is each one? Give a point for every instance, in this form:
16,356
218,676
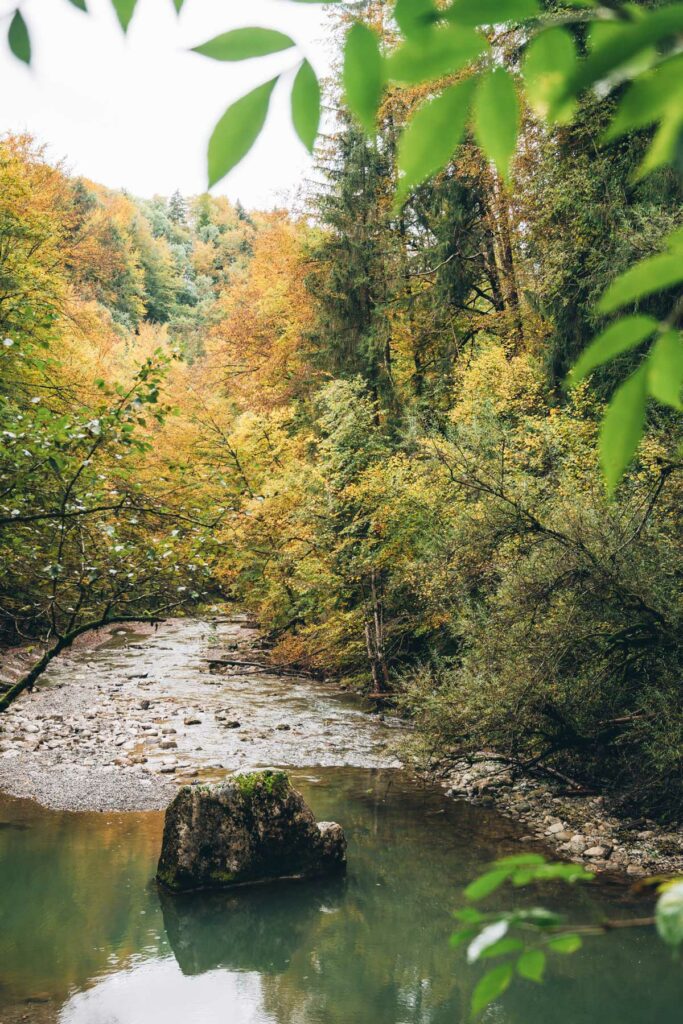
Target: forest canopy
353,421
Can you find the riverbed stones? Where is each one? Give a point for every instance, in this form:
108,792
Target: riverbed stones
255,827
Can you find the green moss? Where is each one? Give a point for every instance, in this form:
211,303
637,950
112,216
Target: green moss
273,783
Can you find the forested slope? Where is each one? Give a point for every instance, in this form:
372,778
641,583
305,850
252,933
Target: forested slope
354,423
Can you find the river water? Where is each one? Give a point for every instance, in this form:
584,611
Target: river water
87,938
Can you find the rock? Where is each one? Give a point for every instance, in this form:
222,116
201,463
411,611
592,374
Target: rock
192,720
599,852
556,828
232,725
577,843
253,828
283,727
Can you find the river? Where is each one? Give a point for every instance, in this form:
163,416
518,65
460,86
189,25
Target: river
87,938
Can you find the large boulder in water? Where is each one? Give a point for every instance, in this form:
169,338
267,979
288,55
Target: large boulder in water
252,828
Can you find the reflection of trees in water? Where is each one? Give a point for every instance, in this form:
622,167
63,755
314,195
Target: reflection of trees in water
73,887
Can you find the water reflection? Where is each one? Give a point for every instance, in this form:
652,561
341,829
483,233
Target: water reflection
85,931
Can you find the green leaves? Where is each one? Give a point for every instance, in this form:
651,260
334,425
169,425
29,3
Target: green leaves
491,12
531,965
496,118
415,17
669,913
619,337
486,884
645,278
566,944
363,74
19,39
306,105
548,61
665,369
245,43
443,52
491,986
237,130
432,136
622,427
125,9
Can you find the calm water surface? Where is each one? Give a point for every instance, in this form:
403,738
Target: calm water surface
86,938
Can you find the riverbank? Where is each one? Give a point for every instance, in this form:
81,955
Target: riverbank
130,713
582,828
118,722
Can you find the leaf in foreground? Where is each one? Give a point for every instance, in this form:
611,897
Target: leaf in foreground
306,105
237,131
622,426
496,118
432,136
125,9
531,965
363,74
625,334
18,38
647,277
245,43
665,369
492,985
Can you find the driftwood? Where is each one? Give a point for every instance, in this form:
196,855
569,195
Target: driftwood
27,681
273,670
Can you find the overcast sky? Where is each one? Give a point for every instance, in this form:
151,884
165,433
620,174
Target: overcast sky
137,112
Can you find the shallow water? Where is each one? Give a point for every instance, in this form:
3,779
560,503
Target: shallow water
86,938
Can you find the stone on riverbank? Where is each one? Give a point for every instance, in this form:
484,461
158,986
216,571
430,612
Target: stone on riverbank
252,828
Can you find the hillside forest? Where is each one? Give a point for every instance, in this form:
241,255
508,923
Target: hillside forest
354,423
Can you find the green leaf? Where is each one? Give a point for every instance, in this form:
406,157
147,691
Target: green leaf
443,52
244,43
648,98
81,4
237,131
565,943
19,39
125,9
622,427
549,60
669,914
431,137
665,369
415,17
531,965
486,884
521,860
666,145
501,948
496,118
619,337
178,4
492,985
621,45
306,105
363,74
491,12
645,278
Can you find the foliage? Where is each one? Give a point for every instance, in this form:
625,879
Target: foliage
562,51
521,940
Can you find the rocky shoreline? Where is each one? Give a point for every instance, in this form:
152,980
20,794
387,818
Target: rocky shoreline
123,719
127,741
584,829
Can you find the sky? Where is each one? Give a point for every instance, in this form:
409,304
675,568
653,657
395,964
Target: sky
136,112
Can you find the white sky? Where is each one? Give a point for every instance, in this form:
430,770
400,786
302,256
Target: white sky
136,112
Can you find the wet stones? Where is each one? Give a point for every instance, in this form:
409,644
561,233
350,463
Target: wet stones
254,828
